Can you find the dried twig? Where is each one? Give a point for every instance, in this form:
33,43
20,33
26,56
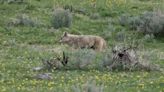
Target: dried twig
127,58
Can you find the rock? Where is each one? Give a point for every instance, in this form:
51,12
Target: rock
38,68
44,76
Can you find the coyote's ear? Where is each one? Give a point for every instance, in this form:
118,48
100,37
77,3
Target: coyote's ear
65,34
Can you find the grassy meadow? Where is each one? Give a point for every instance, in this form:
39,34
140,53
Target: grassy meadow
24,46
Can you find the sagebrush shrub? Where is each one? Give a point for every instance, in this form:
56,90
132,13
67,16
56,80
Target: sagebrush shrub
23,20
12,1
61,18
148,23
81,58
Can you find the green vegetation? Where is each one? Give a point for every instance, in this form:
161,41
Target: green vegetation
61,18
27,36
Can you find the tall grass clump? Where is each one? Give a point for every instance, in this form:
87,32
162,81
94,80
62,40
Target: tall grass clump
61,18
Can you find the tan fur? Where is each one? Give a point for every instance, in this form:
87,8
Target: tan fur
84,41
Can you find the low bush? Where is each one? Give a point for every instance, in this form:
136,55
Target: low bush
61,18
23,20
148,23
81,59
120,58
12,1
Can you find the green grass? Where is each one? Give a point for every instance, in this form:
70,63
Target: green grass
24,47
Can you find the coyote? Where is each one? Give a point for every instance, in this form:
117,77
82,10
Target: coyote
84,41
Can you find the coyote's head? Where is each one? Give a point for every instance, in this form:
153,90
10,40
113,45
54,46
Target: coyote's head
65,38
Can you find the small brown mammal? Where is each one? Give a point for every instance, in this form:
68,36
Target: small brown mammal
84,41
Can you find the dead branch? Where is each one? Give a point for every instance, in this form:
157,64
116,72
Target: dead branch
127,58
56,63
